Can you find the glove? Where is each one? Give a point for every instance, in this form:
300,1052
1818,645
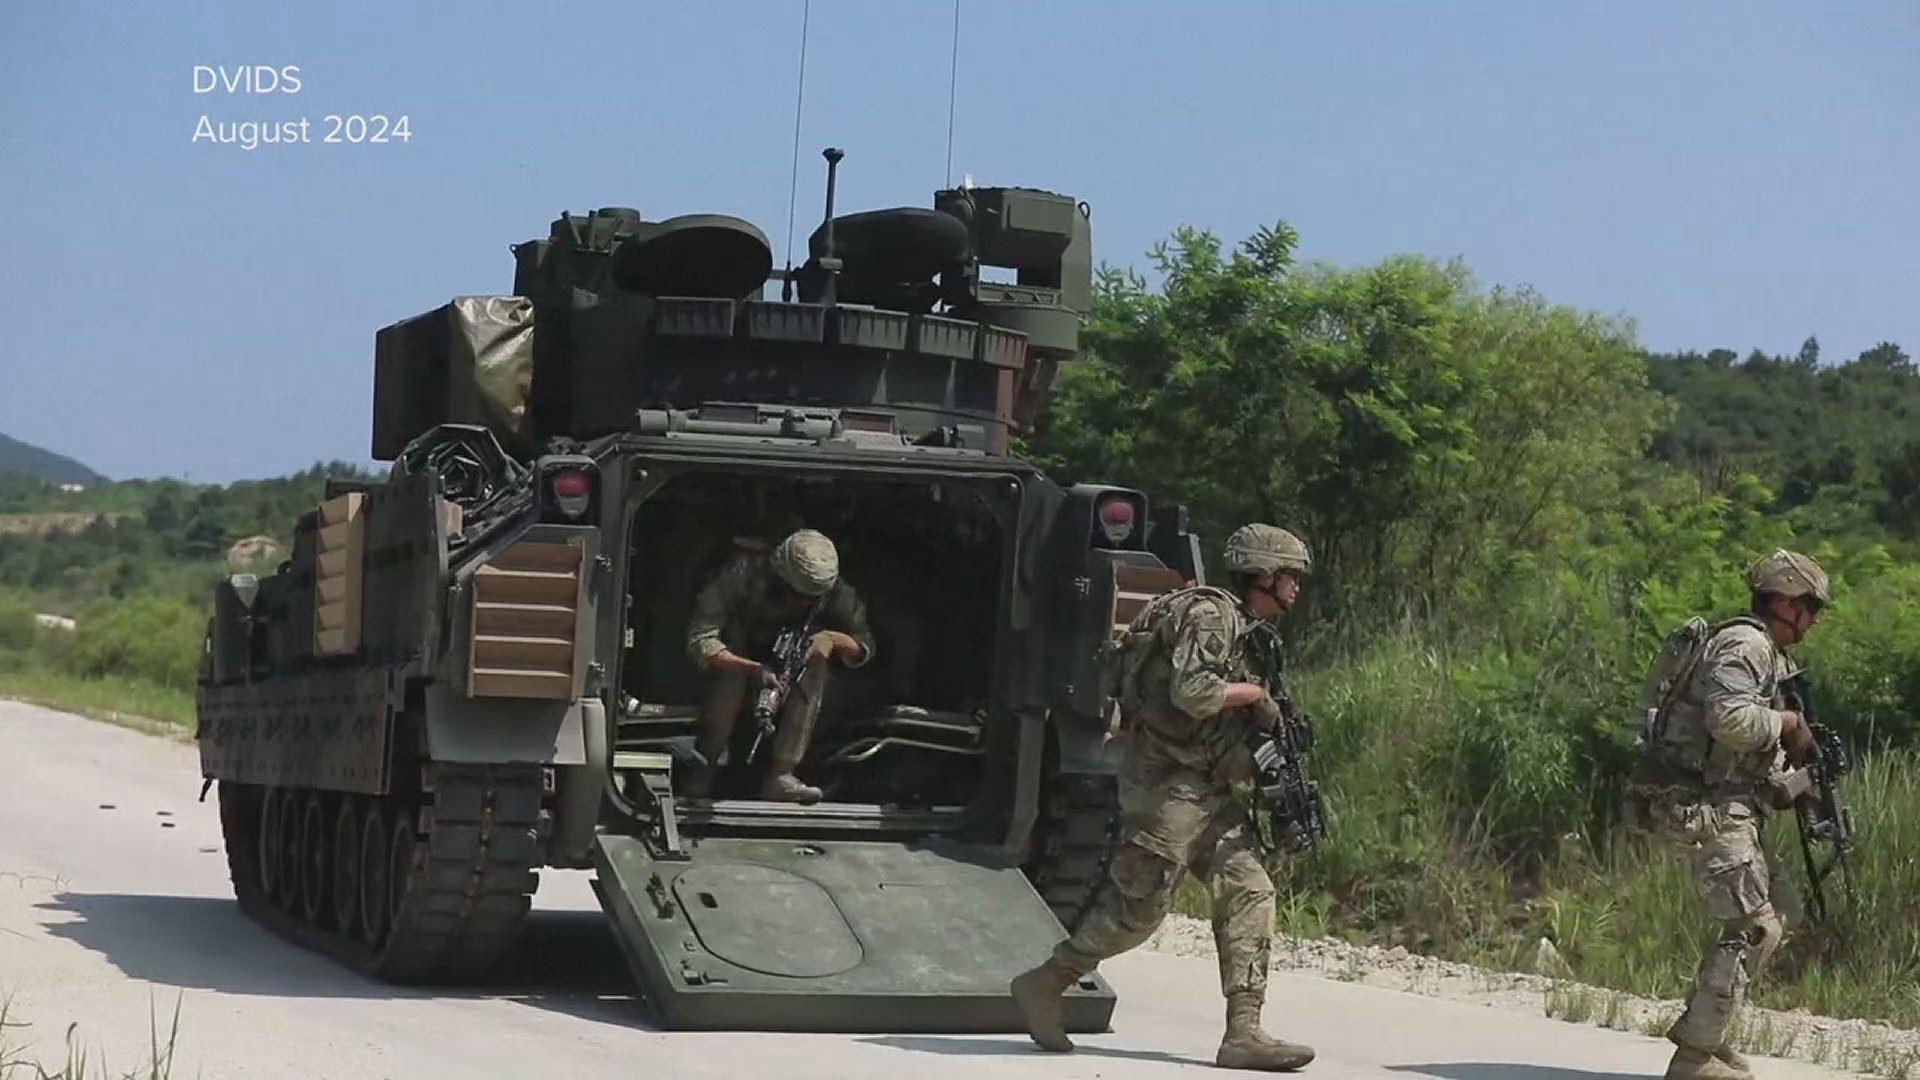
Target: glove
1266,712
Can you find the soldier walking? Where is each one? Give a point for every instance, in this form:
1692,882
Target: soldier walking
1704,782
1199,700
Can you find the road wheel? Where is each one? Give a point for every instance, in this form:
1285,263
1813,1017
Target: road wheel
267,842
291,853
316,834
376,897
400,847
346,863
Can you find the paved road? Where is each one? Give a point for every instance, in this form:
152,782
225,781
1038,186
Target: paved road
114,905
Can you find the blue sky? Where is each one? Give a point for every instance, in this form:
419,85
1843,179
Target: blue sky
1737,174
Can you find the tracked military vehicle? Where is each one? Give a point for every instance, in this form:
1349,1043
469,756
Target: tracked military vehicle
476,668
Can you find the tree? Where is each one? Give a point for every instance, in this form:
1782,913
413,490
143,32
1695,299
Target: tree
1886,357
1395,415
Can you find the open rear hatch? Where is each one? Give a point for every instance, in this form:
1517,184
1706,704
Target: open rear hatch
831,935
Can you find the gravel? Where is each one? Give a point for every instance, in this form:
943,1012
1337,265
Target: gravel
1870,1048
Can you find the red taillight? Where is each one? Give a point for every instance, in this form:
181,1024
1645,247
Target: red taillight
1116,518
572,491
571,484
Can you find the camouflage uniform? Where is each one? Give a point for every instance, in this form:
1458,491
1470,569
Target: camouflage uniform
1721,745
1178,809
743,610
1185,753
1705,786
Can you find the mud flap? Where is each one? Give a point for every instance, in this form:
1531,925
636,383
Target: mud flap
849,936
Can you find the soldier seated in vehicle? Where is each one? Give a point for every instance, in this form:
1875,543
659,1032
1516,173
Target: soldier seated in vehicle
737,618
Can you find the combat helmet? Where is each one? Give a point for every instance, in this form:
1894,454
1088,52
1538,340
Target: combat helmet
1262,549
807,561
1789,573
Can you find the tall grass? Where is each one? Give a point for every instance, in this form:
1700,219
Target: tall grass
132,701
129,662
1632,920
17,1064
1473,787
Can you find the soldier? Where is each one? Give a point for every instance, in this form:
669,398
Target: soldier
736,619
1704,782
1197,704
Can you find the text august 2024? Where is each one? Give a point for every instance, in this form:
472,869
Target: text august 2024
253,132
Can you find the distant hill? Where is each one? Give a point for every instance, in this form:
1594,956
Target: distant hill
16,456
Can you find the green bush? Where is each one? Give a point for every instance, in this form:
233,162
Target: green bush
155,638
16,622
1865,659
1473,769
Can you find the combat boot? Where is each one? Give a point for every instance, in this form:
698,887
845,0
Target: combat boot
786,787
1689,1063
1246,1046
1036,993
790,739
1734,1059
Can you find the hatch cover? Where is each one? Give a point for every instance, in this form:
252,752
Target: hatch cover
777,934
767,920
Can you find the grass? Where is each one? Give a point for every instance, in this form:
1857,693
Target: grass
15,1064
1892,1062
1631,920
1753,1031
1472,791
134,703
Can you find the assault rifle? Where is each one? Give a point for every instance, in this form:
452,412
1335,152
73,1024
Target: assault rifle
1821,817
788,659
1295,818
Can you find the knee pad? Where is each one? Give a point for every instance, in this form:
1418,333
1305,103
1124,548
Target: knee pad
1763,936
1140,873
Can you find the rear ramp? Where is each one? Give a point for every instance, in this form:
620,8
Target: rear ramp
846,936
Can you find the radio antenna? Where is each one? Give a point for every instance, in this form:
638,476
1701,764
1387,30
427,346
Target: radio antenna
793,179
953,73
830,262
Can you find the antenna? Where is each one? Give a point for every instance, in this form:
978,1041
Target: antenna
953,75
793,179
829,261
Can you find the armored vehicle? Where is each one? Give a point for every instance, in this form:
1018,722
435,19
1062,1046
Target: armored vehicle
477,667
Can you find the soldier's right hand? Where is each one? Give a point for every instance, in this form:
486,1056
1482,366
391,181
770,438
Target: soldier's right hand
1266,712
1795,735
765,676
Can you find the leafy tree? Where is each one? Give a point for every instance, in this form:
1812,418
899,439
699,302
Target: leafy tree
1832,442
1396,415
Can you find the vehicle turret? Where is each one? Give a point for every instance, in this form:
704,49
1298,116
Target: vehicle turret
893,310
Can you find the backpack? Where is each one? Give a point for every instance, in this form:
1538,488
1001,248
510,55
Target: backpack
1124,655
1673,668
